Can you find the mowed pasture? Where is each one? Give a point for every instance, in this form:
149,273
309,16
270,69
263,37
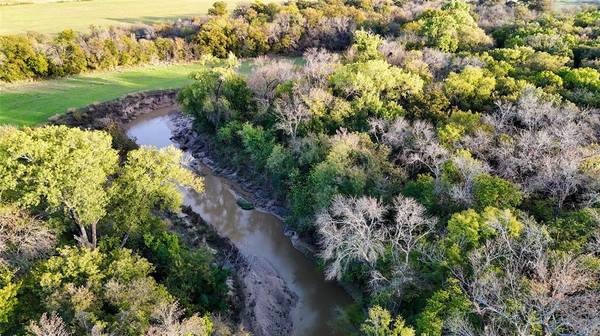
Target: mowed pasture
29,104
53,17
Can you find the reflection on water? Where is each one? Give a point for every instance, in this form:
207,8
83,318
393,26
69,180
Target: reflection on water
255,233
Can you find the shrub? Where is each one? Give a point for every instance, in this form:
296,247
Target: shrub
450,28
66,55
472,88
19,60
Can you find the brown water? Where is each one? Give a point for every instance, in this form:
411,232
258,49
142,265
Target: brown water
255,233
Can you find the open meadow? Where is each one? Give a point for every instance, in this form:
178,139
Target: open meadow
52,17
33,103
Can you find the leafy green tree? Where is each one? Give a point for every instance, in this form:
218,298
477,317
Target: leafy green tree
443,304
60,169
571,231
149,181
353,166
472,88
450,28
423,189
281,166
66,57
459,124
66,170
489,190
189,274
91,289
585,78
219,8
9,288
216,95
101,53
20,60
257,144
380,323
217,38
366,46
376,88
468,229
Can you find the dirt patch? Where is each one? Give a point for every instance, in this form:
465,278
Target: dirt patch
260,298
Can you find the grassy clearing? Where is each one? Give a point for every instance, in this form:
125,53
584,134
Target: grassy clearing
34,103
28,104
52,17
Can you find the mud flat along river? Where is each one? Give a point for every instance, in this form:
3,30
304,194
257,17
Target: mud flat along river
258,235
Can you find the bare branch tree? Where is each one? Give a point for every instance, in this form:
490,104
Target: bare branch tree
290,112
410,226
51,325
170,322
518,284
23,239
319,65
267,75
542,144
350,232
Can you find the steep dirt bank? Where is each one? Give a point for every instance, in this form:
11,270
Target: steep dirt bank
118,111
260,299
261,194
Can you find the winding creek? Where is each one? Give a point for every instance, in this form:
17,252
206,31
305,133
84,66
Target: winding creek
256,234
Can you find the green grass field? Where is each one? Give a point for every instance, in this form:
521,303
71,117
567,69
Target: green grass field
52,17
34,103
28,104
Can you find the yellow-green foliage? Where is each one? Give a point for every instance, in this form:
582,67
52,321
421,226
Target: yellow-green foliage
472,88
9,288
469,228
64,169
380,323
450,28
375,86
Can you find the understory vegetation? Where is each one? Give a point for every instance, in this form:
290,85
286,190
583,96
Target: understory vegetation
443,156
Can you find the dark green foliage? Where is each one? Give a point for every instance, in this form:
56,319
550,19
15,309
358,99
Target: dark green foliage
423,190
257,143
572,231
496,192
444,303
188,274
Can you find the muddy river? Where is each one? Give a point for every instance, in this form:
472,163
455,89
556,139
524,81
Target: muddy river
255,233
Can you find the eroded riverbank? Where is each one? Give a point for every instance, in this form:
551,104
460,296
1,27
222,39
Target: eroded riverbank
284,291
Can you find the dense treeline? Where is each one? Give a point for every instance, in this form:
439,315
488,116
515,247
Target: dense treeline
85,244
451,170
291,28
